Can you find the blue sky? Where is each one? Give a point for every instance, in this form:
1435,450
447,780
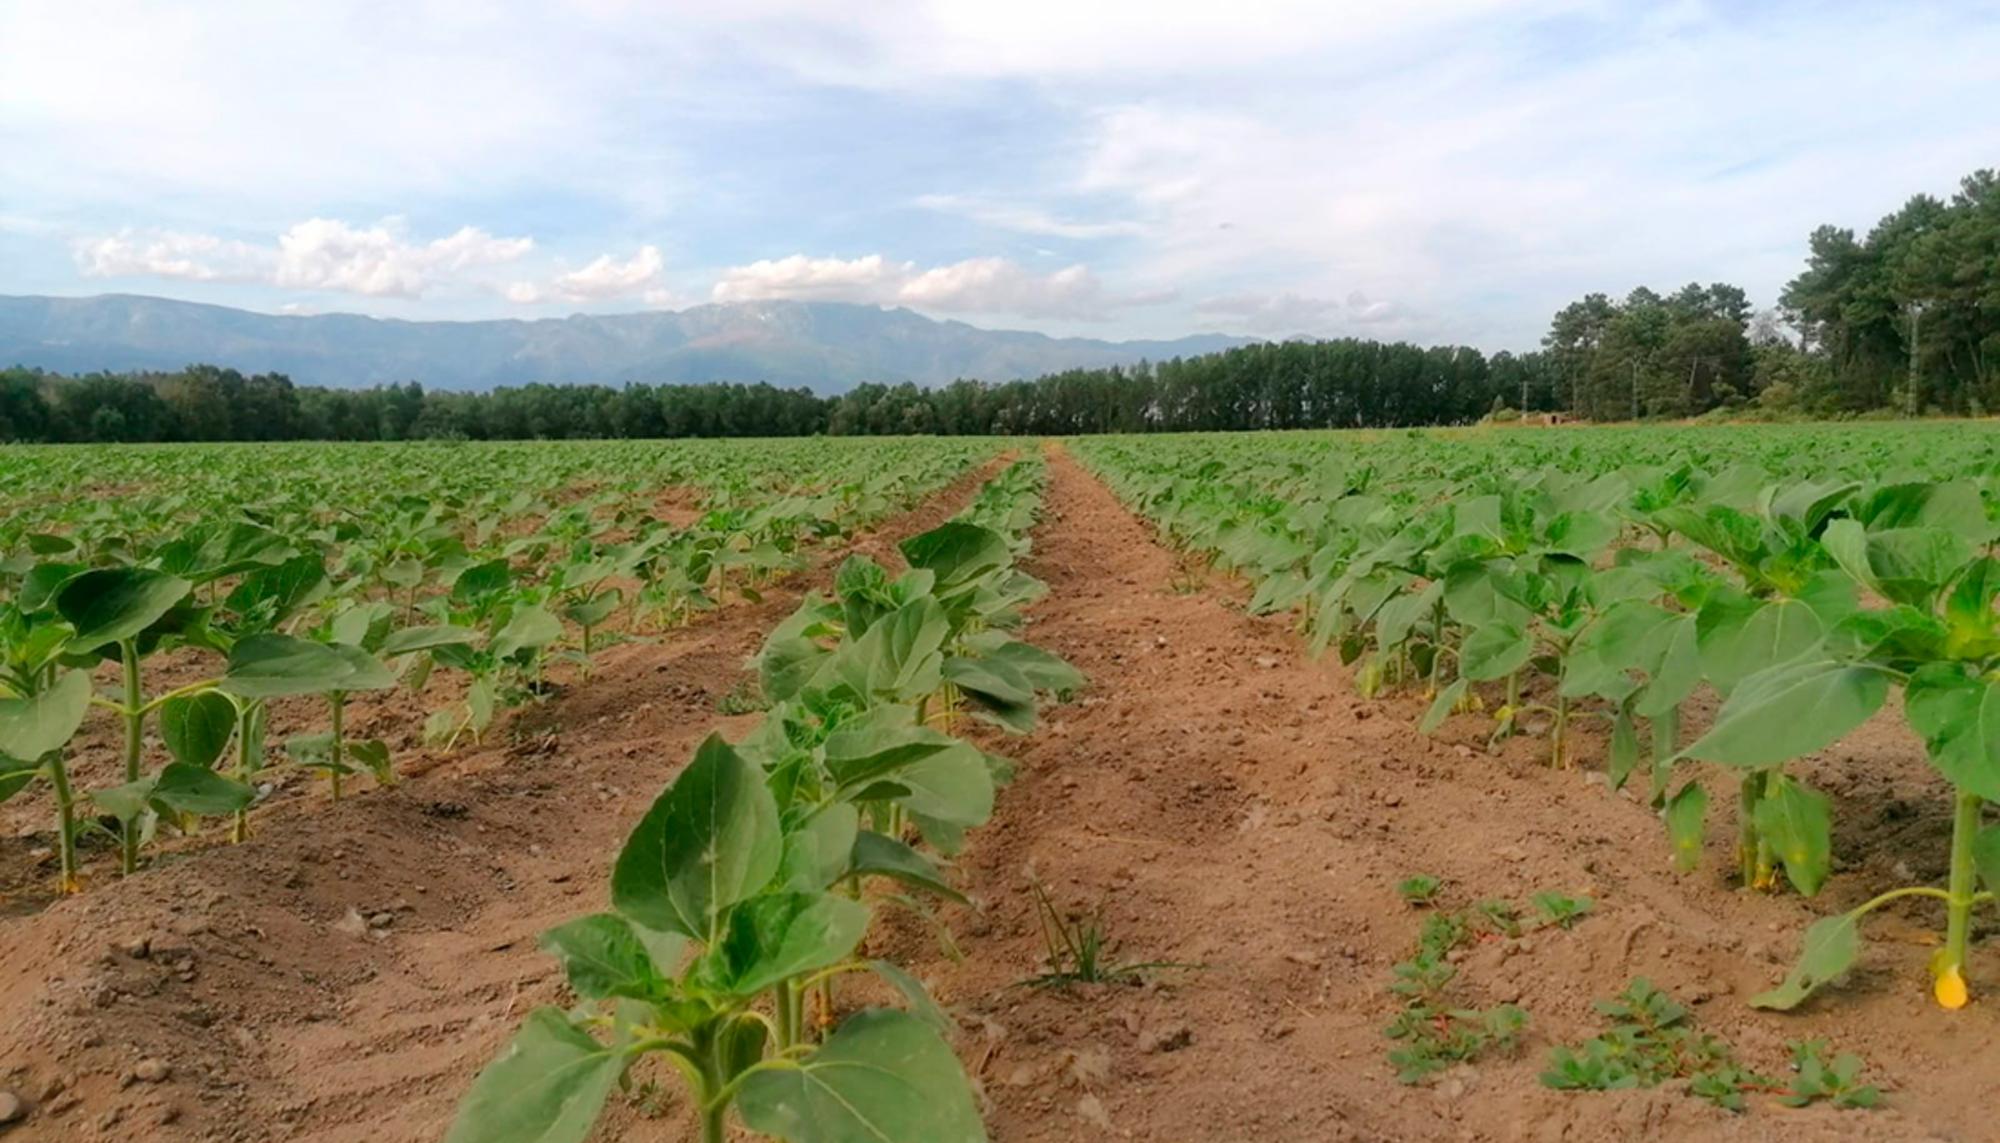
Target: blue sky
1438,171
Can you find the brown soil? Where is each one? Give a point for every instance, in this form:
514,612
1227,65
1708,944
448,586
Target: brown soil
1226,802
343,974
1221,799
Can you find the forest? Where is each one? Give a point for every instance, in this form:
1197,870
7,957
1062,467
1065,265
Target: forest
1901,321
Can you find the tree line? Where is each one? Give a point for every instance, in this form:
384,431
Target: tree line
1903,320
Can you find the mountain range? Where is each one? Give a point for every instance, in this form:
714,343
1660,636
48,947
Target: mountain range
826,346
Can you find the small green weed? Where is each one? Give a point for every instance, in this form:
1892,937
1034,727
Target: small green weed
1835,1080
1420,889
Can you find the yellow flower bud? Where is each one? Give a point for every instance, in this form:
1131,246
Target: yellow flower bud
1950,989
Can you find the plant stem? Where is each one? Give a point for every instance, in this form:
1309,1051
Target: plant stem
65,823
1747,797
339,701
1963,882
787,1001
239,828
1560,733
135,723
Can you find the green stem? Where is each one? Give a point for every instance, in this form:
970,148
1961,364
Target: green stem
1560,733
787,1000
134,713
239,828
65,822
338,699
1963,881
1748,795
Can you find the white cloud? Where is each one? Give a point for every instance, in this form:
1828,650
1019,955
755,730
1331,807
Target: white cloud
166,254
317,254
1295,314
1025,219
604,279
868,279
973,286
324,254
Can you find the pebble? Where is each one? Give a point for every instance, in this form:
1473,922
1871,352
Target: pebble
13,1108
152,1070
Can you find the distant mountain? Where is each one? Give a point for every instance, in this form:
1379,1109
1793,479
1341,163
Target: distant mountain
829,347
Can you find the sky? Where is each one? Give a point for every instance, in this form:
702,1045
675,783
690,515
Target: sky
1430,170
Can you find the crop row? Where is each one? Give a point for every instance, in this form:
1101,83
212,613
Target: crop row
740,899
319,592
1614,578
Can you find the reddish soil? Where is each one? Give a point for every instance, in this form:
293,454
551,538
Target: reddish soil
1222,800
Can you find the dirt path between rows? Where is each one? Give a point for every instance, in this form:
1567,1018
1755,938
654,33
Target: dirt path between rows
341,977
1227,802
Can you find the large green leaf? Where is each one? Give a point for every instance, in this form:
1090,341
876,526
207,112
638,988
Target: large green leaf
953,786
1831,946
276,666
548,1086
33,726
604,955
782,935
198,790
1494,651
709,841
197,727
880,742
820,851
111,605
879,855
529,628
1959,719
882,1077
958,554
899,659
1789,711
412,639
1738,639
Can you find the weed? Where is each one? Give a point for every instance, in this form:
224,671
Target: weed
1649,1042
1561,910
1076,951
1816,1078
1420,889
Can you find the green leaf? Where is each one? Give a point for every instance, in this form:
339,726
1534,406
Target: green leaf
1832,944
190,789
958,554
111,605
1494,651
277,666
819,853
1623,757
1737,642
413,639
1686,815
549,1086
1986,856
710,840
914,994
197,727
34,726
1798,824
782,935
125,802
952,786
1959,719
882,1077
529,628
879,855
1442,706
1672,658
1789,711
604,956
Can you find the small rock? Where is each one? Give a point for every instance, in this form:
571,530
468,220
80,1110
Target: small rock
140,948
13,1108
1169,1038
152,1070
352,925
381,920
1091,1108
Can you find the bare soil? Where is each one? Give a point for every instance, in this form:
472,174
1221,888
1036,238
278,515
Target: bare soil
1219,799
